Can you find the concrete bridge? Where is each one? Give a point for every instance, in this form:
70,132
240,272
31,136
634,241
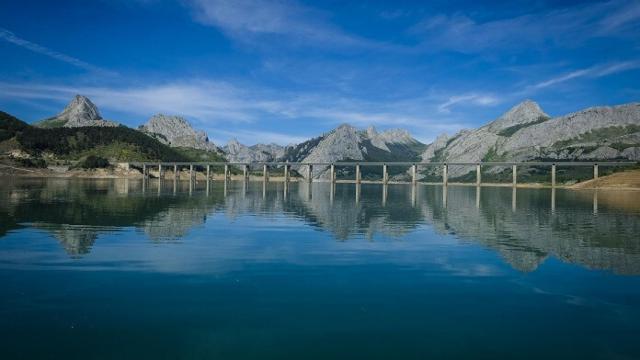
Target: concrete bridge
414,167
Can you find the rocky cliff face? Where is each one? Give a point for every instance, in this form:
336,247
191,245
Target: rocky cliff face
526,133
237,152
176,131
80,112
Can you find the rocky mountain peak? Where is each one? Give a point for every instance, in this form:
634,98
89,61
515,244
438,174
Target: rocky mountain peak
81,107
79,112
371,132
176,131
525,112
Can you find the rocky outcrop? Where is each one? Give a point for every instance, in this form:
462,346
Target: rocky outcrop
78,113
176,131
236,152
526,133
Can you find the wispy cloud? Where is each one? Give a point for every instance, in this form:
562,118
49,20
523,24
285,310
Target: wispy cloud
592,72
225,109
251,19
12,38
567,26
468,99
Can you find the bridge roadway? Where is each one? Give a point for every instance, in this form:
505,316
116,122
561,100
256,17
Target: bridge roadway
414,166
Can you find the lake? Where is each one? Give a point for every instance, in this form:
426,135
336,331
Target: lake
113,269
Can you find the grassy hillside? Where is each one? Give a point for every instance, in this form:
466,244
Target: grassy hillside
118,143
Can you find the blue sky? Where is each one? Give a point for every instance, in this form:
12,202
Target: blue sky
283,71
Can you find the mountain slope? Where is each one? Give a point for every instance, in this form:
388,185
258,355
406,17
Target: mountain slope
526,133
346,143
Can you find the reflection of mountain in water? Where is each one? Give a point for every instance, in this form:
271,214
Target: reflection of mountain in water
525,235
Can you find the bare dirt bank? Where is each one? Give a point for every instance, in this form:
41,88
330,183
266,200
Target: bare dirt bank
626,180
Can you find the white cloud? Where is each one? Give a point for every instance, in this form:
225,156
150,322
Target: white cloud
592,72
12,38
249,19
568,27
466,99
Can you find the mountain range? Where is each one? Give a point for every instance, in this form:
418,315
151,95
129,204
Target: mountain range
523,133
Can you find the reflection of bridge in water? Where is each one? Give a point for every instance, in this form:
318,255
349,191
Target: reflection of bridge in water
306,170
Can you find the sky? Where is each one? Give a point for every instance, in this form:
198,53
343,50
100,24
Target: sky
283,71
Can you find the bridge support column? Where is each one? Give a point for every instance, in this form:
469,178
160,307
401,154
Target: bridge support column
514,175
176,174
208,172
144,171
553,175
191,173
160,172
226,172
445,176
414,174
332,173
265,172
286,173
245,174
478,175
358,176
385,174
595,171
310,173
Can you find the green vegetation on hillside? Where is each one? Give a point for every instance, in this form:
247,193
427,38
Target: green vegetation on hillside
10,126
513,129
50,123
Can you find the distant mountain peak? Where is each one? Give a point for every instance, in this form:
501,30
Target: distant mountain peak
528,111
79,112
176,131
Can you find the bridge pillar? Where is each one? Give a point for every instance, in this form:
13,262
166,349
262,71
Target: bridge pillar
332,173
478,175
445,176
514,174
144,171
191,174
246,172
226,172
358,175
310,172
208,172
385,174
286,173
176,174
265,172
414,174
553,175
595,171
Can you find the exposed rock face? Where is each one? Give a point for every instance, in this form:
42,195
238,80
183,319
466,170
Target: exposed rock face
526,133
176,131
438,144
237,152
527,112
80,112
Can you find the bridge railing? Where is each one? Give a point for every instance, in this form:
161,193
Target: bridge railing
413,167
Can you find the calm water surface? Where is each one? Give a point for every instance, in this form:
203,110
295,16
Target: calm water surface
116,269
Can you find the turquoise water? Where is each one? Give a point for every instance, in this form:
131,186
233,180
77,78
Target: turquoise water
116,269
